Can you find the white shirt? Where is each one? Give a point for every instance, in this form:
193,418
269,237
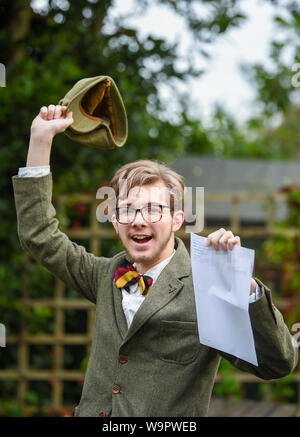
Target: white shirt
133,299
34,172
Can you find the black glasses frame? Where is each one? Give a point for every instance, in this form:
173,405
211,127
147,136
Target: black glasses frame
141,211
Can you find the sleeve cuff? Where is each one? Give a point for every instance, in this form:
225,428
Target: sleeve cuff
256,295
34,172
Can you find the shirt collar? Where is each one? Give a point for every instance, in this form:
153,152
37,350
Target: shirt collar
155,271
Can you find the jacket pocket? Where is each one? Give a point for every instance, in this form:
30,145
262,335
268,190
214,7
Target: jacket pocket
179,341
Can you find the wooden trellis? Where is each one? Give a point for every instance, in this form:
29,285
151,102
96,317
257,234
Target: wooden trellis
95,233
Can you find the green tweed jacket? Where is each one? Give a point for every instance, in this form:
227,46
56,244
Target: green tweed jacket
157,367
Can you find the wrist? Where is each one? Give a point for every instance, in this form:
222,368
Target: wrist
39,149
253,286
40,138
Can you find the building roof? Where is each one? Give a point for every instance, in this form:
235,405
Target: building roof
221,175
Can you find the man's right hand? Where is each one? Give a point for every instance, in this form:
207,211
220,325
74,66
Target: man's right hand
51,120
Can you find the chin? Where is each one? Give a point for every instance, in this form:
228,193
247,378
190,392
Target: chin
140,257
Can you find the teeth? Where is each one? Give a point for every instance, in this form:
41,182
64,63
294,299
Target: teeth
140,237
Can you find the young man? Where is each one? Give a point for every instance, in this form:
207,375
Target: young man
146,358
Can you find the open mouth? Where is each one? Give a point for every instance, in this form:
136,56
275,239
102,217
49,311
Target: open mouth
141,239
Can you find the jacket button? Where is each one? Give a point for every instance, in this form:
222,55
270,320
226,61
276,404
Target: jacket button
123,359
116,389
102,414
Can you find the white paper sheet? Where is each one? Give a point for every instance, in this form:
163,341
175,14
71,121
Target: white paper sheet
222,282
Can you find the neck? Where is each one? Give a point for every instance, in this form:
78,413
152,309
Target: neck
143,267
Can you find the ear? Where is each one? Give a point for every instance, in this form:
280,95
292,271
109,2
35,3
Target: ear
178,219
115,223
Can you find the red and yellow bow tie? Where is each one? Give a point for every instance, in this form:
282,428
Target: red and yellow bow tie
127,275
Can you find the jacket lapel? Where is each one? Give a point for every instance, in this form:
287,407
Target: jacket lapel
119,313
166,287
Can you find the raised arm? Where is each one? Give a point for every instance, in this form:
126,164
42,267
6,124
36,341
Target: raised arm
50,121
38,227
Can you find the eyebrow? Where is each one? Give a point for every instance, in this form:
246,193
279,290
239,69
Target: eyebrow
130,204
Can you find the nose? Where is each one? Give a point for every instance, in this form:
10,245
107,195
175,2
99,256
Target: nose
139,219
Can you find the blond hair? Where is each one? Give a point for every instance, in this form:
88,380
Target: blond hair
144,172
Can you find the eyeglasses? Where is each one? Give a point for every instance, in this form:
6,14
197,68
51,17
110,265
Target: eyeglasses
151,213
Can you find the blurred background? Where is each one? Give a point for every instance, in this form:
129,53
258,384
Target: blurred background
212,89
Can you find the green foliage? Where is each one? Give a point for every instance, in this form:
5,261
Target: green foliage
276,125
84,364
282,250
229,386
281,390
39,319
10,409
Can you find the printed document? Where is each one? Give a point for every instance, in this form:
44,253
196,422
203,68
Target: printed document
222,282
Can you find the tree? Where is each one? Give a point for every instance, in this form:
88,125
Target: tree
277,82
47,51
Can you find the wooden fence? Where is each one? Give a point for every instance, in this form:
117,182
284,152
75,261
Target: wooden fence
95,234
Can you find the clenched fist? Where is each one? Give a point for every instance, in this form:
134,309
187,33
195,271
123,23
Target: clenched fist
51,120
227,241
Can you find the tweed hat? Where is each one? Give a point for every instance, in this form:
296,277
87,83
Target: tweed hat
98,111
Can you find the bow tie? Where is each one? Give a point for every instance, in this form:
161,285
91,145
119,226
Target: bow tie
127,275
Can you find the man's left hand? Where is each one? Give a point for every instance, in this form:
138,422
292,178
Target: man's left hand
226,240
223,238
